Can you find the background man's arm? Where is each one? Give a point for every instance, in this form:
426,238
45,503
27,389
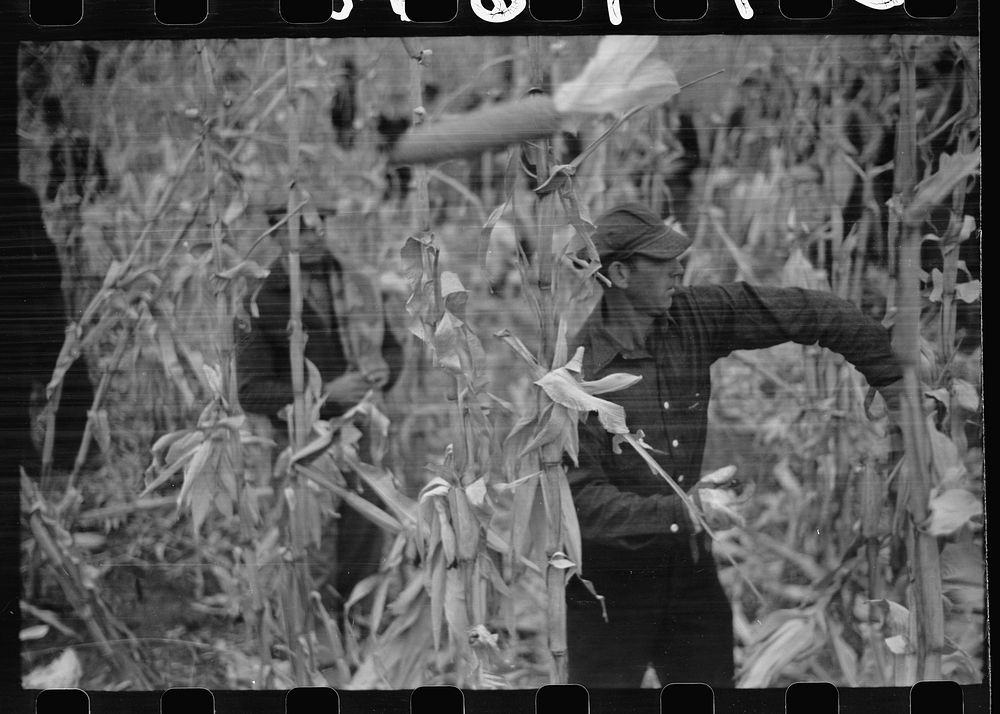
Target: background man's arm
262,389
394,355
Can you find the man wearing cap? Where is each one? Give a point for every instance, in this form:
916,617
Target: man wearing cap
265,377
645,556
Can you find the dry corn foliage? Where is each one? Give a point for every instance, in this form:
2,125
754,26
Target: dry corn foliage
465,575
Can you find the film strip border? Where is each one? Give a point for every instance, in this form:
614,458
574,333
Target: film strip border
60,20
91,19
802,698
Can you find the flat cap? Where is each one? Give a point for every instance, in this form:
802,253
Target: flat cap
309,213
632,229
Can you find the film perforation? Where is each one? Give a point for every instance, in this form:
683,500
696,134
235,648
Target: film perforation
931,696
299,12
446,699
570,698
696,698
556,11
55,14
322,700
196,700
806,10
71,701
433,11
180,12
815,697
936,9
689,10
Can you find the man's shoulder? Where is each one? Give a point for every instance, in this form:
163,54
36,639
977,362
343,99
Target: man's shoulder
694,296
738,291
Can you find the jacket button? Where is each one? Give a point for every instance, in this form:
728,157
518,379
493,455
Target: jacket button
674,527
666,405
675,443
680,479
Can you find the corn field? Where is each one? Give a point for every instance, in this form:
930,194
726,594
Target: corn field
188,544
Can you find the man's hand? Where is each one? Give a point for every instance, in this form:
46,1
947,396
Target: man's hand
376,373
721,498
893,396
348,388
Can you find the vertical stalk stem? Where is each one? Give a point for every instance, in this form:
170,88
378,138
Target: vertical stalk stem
223,336
555,578
422,207
48,445
88,429
926,568
551,456
301,427
296,335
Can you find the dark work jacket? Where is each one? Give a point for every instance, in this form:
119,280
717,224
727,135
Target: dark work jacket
263,364
629,517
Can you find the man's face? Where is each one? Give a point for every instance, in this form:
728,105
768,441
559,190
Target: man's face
651,283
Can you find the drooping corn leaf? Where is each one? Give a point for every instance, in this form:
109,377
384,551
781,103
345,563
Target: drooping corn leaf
564,389
952,509
620,76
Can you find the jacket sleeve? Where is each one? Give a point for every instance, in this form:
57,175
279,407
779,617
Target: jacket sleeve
264,371
263,387
614,517
394,354
740,316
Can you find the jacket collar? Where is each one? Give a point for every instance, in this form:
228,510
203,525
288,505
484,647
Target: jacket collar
604,339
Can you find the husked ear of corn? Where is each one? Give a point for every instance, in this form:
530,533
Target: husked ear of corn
491,127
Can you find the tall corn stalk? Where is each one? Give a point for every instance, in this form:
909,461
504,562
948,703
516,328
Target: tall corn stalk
300,426
553,480
294,600
916,479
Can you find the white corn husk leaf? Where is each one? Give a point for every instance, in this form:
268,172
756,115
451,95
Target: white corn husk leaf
620,76
795,639
564,387
952,509
64,672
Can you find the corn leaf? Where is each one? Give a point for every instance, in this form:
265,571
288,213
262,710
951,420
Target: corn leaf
437,591
948,464
564,389
447,533
194,469
65,671
467,532
794,639
952,170
570,523
455,611
620,76
525,497
485,237
952,509
67,356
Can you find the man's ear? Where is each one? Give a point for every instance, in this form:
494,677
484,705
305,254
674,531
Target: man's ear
618,273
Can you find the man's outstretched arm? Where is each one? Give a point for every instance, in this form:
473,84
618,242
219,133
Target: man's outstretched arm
740,316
